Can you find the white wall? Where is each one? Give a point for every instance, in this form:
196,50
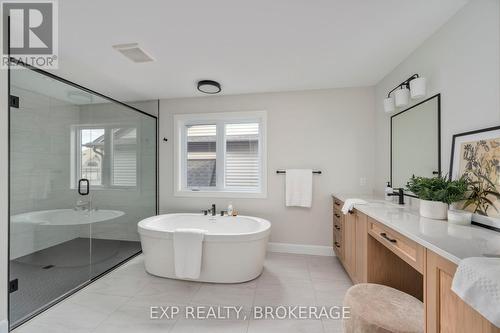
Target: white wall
328,130
460,61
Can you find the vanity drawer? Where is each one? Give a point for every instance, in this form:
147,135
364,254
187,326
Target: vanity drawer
405,248
337,217
337,205
337,243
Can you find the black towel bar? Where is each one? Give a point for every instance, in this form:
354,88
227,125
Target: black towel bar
284,171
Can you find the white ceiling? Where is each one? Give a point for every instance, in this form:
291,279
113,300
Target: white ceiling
248,46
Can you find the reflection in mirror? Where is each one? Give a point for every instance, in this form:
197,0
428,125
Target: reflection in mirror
415,142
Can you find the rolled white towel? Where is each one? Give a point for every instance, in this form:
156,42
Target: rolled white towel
349,204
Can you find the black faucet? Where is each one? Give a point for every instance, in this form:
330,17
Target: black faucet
401,196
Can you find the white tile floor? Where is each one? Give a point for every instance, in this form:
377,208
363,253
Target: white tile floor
120,302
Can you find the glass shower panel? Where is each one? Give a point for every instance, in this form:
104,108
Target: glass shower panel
48,258
119,159
83,173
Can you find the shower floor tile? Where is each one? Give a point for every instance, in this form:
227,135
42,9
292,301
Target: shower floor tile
47,274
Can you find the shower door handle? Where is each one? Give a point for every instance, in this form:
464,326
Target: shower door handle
86,186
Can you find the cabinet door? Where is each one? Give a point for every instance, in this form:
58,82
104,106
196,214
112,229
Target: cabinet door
445,311
361,244
349,245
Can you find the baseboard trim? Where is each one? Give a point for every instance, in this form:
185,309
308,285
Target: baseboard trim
4,326
316,250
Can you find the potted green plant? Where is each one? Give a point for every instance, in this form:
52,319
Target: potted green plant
437,193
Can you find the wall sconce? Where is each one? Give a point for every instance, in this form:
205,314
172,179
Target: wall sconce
414,86
402,96
389,104
418,87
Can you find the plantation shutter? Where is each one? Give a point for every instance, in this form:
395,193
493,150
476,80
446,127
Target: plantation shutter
242,163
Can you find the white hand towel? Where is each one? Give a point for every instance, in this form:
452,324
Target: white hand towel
188,247
349,204
299,187
477,282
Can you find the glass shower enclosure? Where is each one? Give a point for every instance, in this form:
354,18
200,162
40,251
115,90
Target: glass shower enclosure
82,174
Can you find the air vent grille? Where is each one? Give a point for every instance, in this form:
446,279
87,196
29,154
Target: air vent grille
133,52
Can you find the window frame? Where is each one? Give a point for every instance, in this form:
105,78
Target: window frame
107,175
181,121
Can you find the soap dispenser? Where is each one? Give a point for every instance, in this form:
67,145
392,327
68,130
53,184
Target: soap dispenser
388,192
230,209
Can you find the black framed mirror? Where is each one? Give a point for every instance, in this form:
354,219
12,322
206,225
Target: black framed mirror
416,142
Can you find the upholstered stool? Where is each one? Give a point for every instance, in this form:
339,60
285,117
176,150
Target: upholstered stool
380,309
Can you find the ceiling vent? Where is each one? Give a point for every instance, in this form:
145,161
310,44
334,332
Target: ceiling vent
133,52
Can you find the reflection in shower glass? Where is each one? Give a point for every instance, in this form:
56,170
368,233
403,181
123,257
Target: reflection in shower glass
61,136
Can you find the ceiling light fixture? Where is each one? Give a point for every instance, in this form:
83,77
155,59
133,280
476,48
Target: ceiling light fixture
414,86
209,87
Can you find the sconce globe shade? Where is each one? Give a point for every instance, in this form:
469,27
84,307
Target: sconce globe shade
418,87
402,97
389,105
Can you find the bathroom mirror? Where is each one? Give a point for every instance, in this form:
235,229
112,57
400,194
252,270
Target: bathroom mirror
416,142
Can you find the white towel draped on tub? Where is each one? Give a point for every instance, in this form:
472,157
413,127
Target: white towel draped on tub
477,282
299,187
188,247
349,204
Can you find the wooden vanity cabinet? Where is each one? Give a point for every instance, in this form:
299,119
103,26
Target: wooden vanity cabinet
349,246
350,241
445,311
338,229
372,252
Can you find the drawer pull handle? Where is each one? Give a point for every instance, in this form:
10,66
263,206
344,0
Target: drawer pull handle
337,244
384,235
337,227
337,216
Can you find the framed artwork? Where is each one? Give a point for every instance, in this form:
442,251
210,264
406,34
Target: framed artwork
476,155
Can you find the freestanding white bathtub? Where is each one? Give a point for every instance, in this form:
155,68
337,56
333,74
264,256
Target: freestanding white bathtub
234,248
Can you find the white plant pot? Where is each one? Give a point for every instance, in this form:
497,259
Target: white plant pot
433,209
461,217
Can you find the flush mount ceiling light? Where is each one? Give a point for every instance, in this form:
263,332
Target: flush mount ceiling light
209,87
133,52
414,86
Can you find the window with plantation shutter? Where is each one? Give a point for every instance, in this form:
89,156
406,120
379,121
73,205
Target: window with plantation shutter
242,156
221,154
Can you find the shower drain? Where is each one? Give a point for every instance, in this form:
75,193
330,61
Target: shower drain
48,267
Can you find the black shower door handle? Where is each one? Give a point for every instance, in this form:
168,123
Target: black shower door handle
86,186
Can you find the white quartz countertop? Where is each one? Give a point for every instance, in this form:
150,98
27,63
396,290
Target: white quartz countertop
453,242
